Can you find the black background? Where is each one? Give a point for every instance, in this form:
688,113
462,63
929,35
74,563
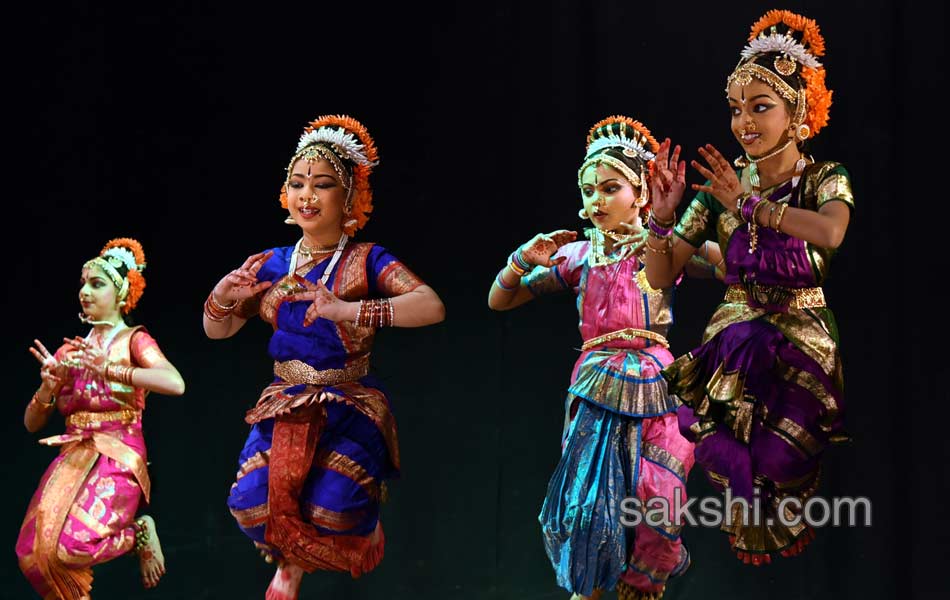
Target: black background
172,124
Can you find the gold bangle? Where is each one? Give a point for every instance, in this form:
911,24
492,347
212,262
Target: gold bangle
220,306
214,311
518,270
778,219
43,405
755,211
659,250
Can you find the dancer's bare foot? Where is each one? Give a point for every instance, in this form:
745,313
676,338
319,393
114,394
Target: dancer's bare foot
151,559
286,583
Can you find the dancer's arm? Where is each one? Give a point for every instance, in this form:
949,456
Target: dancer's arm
511,291
219,319
43,402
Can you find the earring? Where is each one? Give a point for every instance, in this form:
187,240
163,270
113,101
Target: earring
350,223
290,220
582,213
802,132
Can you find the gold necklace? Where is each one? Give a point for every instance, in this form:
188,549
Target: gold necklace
307,251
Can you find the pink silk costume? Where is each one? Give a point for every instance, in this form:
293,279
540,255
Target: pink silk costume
621,437
83,511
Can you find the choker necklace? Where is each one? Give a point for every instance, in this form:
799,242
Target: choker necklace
775,152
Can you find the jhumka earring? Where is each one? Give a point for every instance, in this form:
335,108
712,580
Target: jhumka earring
582,213
290,220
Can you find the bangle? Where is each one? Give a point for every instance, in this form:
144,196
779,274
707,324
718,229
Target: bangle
119,373
659,229
44,405
519,260
748,206
376,313
755,210
501,282
669,245
518,270
661,222
220,306
778,219
217,312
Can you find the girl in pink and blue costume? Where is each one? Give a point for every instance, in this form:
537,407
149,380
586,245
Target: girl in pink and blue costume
620,437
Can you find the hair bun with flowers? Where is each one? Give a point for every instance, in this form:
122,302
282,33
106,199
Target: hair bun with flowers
349,140
123,261
788,45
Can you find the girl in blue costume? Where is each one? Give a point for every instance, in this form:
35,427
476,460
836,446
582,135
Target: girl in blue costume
323,437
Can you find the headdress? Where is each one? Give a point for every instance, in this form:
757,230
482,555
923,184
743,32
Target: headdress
123,260
623,144
347,146
783,53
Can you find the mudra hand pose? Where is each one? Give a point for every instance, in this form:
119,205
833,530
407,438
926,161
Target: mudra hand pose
764,391
83,512
620,437
323,438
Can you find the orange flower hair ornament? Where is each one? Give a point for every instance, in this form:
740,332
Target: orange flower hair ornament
123,260
338,138
813,100
632,139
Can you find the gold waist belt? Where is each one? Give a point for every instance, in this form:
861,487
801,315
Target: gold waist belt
775,295
86,419
297,372
628,334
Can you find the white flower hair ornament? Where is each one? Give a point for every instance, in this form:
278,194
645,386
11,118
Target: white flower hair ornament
122,256
346,143
622,141
782,43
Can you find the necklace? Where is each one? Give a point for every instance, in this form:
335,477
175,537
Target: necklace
775,152
336,257
107,338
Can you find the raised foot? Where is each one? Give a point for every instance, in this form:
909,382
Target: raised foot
286,583
151,559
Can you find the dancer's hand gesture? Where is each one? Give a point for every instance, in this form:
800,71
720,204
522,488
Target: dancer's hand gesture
325,305
540,248
90,357
723,184
242,282
633,241
667,181
51,370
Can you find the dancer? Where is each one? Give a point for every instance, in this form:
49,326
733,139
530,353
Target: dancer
764,391
83,512
323,438
620,436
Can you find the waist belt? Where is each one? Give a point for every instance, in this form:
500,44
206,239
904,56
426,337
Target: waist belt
759,295
87,419
627,334
297,372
